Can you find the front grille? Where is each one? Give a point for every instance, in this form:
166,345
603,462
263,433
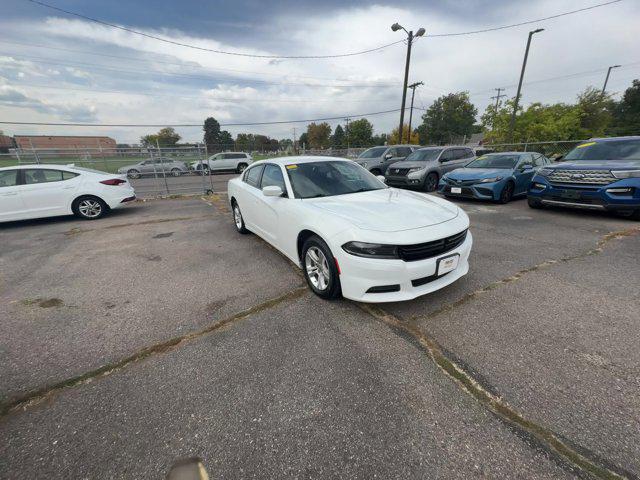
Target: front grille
398,171
582,177
461,183
421,251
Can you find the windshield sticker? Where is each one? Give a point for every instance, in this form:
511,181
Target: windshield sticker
586,145
292,167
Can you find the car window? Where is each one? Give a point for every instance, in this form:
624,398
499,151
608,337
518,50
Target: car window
272,176
239,155
393,152
495,160
8,178
468,153
252,175
373,152
403,151
41,175
424,155
446,156
609,150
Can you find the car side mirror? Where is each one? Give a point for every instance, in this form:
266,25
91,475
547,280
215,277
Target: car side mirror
388,156
381,178
272,191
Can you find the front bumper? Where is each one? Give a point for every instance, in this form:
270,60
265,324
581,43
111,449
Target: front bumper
587,196
403,181
480,191
359,274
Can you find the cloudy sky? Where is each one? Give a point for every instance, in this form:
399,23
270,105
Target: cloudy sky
59,68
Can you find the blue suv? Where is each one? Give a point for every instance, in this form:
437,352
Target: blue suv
601,174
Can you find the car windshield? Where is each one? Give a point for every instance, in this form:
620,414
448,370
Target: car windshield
611,150
373,152
326,179
424,155
495,161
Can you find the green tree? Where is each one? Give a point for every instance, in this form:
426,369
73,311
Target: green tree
226,140
303,141
449,116
595,112
413,139
626,113
360,133
319,135
212,139
244,142
380,139
338,138
166,137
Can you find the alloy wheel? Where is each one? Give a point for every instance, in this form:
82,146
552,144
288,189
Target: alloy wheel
90,208
317,268
237,216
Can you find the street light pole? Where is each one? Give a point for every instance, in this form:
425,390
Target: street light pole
524,66
410,36
606,80
413,87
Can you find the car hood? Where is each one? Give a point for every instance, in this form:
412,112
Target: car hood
478,173
417,164
387,210
596,165
360,161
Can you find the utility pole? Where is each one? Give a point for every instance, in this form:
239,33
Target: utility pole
497,97
395,27
346,131
606,80
413,87
295,150
517,99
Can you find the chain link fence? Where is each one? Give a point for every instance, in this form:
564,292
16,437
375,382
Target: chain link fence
550,150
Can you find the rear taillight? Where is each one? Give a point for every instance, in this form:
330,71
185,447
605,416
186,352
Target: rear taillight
113,181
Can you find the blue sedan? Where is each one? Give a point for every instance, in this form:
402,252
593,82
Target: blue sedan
495,176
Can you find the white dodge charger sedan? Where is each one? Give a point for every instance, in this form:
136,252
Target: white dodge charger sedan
349,232
35,191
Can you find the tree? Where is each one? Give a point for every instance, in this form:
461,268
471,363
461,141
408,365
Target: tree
226,140
212,139
626,113
449,116
303,141
414,139
595,112
360,133
319,135
166,137
338,138
380,139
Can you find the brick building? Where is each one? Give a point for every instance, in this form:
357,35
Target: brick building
62,142
6,143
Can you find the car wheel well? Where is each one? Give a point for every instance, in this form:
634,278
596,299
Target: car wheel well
302,237
232,201
80,197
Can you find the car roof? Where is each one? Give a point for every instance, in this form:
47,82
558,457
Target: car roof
244,153
300,159
39,165
615,139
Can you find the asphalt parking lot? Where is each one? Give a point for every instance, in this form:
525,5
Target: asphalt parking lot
158,333
151,187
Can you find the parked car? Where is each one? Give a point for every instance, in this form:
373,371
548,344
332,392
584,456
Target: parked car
348,231
227,161
424,167
378,159
155,166
601,174
34,191
495,176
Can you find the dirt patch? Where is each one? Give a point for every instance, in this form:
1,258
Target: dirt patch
43,302
163,235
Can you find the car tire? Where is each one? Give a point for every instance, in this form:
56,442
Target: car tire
176,172
507,193
89,207
238,220
534,203
631,215
431,182
133,173
320,269
240,168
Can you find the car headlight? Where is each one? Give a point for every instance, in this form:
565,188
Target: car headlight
490,180
545,172
415,171
626,173
371,250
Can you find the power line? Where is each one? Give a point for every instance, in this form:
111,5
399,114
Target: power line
139,60
512,25
278,122
195,47
196,77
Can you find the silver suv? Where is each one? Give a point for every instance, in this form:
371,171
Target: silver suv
424,167
378,159
223,162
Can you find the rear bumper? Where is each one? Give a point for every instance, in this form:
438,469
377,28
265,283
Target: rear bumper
411,279
617,196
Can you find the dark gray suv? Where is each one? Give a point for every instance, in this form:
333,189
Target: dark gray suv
424,167
378,159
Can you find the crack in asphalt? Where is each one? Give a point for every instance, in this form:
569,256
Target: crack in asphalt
77,231
35,397
487,396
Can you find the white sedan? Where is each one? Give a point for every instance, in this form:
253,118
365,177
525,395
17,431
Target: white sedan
349,232
35,191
